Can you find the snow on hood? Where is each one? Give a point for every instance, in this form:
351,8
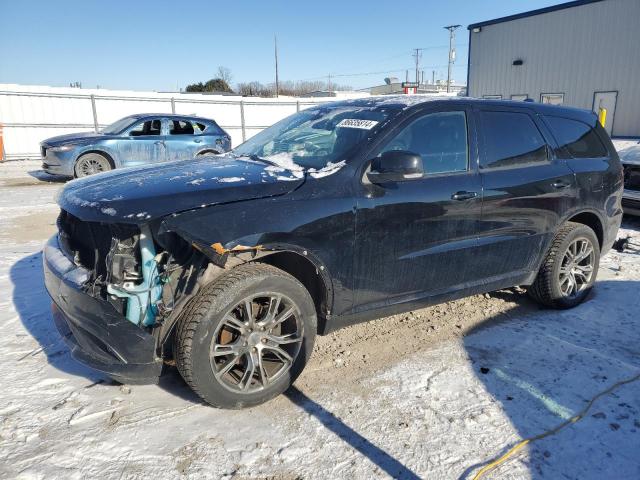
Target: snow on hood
285,163
132,195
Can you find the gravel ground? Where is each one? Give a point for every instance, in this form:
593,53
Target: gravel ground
432,393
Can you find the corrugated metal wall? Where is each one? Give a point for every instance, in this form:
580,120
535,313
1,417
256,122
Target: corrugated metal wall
576,51
30,114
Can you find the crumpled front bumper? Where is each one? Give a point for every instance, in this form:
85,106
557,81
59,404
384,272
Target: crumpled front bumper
98,335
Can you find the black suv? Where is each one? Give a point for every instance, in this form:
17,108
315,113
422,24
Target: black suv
344,212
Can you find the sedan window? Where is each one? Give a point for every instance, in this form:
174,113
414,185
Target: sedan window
149,127
180,127
439,138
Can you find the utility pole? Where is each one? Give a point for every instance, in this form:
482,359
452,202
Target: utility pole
452,52
417,55
329,83
433,77
275,44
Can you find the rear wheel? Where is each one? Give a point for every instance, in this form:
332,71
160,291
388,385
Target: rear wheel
208,153
569,269
245,338
91,163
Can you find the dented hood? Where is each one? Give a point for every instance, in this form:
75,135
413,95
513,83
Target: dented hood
137,195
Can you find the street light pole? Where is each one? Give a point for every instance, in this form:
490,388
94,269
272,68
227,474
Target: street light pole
452,52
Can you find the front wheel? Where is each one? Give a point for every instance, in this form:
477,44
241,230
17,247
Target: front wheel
90,164
245,338
569,269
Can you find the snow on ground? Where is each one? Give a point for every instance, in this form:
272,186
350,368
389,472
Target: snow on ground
434,393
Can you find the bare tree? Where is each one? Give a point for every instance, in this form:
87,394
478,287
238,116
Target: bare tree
224,73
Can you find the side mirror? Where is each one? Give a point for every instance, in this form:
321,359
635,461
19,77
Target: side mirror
396,166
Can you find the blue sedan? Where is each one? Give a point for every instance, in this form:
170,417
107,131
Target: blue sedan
133,140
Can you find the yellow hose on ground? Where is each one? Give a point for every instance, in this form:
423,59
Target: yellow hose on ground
494,463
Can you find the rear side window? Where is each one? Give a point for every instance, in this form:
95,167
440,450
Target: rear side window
511,140
180,127
578,139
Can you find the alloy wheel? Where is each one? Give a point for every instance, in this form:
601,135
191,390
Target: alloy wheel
256,343
576,269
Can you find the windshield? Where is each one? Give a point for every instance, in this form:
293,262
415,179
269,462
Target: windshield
315,137
118,126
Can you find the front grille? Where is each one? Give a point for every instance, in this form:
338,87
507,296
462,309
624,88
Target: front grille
89,243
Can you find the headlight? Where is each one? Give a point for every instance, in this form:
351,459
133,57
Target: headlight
63,148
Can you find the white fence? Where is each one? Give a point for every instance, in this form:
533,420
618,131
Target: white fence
30,114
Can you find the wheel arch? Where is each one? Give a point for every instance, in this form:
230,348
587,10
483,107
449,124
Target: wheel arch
310,272
98,151
591,220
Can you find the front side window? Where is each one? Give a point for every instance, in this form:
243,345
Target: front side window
511,140
439,138
148,127
180,127
579,139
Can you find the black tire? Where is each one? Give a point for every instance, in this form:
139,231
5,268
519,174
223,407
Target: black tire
208,153
547,288
203,319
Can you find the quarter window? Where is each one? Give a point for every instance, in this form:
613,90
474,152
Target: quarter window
511,140
579,139
439,138
180,127
149,127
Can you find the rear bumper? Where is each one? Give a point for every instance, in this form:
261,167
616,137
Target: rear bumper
97,334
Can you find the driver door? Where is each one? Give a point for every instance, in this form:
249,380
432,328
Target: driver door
143,143
417,238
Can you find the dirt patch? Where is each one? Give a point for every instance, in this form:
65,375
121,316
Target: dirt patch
355,353
34,226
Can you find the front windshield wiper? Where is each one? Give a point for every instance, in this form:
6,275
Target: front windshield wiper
257,158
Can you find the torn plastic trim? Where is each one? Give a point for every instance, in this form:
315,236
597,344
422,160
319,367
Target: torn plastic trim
142,298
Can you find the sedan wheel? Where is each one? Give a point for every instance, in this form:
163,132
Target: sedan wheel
90,164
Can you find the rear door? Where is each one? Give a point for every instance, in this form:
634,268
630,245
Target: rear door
526,189
181,141
418,237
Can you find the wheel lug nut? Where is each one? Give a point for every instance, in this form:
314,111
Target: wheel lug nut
254,349
264,340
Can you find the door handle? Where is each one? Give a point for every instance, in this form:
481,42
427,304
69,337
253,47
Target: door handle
464,195
158,142
560,184
198,140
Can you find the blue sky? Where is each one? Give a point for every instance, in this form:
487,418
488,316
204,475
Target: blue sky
158,45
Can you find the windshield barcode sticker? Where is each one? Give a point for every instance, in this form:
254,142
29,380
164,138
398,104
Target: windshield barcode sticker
357,123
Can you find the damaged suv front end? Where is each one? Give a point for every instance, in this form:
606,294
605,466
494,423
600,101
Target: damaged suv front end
116,271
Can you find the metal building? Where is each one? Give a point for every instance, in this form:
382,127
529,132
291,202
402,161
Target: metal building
584,53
